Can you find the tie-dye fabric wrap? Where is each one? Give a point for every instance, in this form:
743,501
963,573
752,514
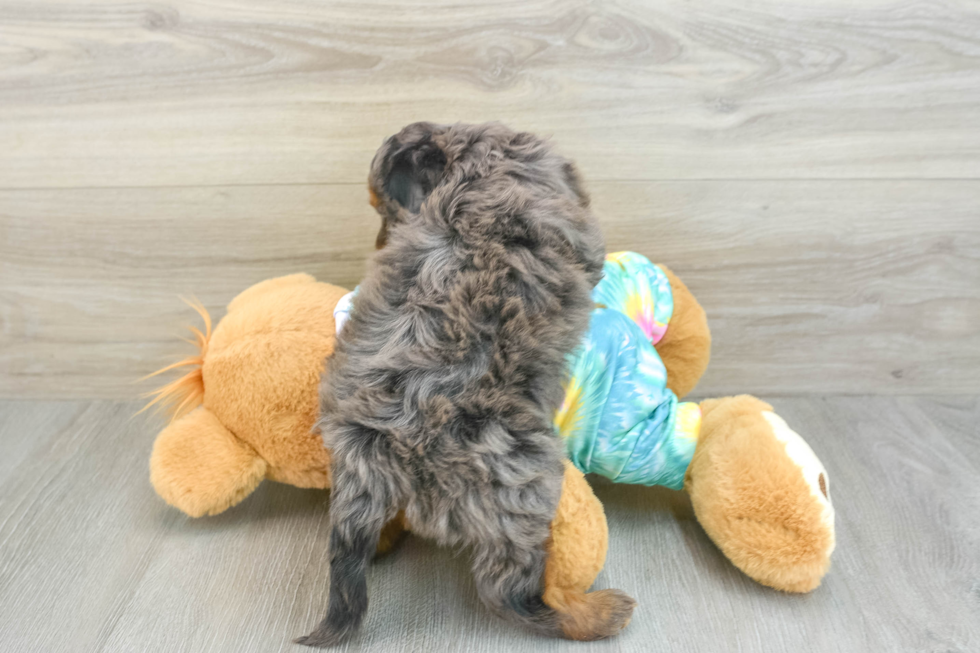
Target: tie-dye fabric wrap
619,419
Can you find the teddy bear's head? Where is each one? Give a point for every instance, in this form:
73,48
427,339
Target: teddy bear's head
246,410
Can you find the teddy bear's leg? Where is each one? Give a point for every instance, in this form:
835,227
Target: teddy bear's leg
200,467
685,348
662,306
761,494
579,541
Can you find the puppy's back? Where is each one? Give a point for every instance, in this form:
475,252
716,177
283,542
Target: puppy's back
491,255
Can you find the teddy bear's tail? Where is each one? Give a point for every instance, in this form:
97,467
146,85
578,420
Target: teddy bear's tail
186,393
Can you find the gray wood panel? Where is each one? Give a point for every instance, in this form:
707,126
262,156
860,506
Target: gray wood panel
110,93
793,160
829,286
92,560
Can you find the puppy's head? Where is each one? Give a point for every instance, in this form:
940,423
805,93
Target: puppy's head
410,165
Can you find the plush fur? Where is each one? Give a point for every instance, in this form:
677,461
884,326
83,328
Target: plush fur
579,541
200,466
253,390
685,348
440,396
755,501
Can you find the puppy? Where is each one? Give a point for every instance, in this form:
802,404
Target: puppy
440,397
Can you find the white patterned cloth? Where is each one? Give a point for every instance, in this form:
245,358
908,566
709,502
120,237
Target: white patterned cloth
342,310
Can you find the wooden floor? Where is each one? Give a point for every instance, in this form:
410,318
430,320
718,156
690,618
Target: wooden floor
92,560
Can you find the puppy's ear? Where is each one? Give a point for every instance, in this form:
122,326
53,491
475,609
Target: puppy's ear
574,181
414,172
406,169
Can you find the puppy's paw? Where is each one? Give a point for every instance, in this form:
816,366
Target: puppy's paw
325,636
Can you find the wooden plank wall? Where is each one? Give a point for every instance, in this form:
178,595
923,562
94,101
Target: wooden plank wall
812,169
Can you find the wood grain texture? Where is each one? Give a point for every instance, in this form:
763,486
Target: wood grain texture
179,92
92,560
810,168
810,286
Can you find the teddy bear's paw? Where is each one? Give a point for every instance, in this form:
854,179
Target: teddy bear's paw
392,533
202,468
811,468
597,615
761,494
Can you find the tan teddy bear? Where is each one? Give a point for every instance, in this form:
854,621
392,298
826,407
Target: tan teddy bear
246,410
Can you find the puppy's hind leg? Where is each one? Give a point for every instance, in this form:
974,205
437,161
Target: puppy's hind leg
362,501
510,579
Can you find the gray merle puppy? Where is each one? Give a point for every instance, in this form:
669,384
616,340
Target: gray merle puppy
440,397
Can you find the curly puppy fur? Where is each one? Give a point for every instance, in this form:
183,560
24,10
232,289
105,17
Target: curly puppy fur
439,398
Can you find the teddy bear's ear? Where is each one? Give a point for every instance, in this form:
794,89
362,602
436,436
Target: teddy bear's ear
200,467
